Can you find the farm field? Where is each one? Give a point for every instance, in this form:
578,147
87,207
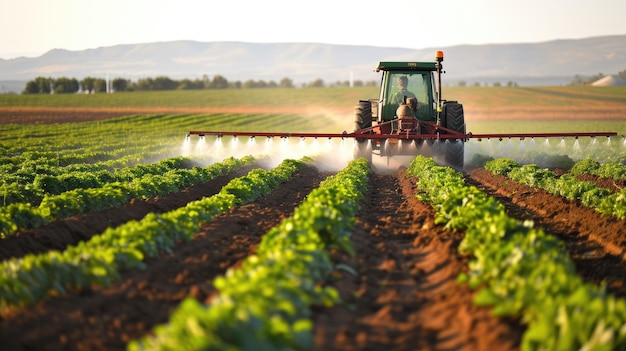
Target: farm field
118,234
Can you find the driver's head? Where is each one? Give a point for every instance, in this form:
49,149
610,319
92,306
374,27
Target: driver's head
403,82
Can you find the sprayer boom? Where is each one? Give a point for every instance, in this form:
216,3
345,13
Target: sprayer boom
407,135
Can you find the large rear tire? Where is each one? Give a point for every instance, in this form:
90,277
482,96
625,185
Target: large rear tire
363,120
454,119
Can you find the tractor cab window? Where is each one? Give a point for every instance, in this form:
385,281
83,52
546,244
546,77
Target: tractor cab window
400,85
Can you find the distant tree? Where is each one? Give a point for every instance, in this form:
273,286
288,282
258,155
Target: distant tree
218,82
206,81
272,84
188,84
511,84
249,84
358,83
99,85
622,74
497,84
40,85
317,83
87,84
65,85
286,83
462,83
31,88
120,84
255,84
235,85
144,84
164,83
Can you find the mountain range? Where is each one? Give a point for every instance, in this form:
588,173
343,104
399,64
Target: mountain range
554,62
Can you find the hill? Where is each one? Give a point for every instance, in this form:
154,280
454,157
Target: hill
548,63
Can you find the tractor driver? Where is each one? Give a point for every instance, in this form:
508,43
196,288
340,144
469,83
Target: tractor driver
398,97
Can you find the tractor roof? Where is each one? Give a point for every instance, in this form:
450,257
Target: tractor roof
406,66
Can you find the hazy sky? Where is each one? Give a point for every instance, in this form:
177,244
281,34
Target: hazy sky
32,27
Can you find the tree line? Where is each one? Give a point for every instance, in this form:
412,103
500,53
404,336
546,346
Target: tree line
64,85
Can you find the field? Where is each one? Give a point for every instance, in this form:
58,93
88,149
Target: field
117,233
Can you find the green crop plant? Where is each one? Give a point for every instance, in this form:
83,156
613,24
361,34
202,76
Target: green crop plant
522,272
266,303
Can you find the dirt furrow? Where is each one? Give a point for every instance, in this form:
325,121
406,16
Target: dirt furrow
107,318
596,243
405,295
62,233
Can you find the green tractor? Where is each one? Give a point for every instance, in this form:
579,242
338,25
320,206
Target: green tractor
410,117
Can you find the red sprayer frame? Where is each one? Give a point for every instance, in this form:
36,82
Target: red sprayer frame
433,132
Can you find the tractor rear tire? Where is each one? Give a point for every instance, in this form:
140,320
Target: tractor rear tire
454,119
363,115
363,120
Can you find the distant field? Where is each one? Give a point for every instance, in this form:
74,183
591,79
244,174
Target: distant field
199,99
471,97
486,108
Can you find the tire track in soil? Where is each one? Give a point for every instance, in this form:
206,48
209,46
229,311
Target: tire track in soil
596,243
59,234
405,296
107,318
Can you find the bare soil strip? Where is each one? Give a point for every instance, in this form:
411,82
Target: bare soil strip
614,112
597,244
51,114
62,233
405,296
107,318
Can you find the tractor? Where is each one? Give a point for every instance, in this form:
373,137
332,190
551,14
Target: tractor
410,104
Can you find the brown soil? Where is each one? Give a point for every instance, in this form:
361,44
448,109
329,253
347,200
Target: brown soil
44,115
597,244
107,318
50,114
546,113
59,234
404,297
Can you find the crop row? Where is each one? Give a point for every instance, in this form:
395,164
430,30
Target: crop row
146,184
567,185
615,171
31,184
521,271
97,261
266,303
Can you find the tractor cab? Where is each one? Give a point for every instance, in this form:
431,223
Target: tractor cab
402,80
409,111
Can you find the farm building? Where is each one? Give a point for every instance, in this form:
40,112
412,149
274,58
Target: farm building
609,81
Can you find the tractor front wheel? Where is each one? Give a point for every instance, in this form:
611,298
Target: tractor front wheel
363,120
